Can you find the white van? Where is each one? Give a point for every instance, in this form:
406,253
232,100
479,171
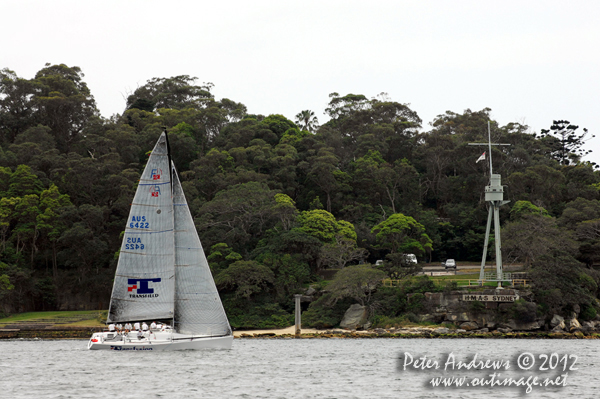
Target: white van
411,258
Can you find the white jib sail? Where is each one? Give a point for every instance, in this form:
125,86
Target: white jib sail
145,279
198,308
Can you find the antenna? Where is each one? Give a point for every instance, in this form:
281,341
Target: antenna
494,194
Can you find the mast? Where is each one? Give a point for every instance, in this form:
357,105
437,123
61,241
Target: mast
494,194
173,236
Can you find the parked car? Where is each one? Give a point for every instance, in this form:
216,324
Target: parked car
411,258
450,264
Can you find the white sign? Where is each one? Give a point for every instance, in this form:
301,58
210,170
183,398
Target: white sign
490,298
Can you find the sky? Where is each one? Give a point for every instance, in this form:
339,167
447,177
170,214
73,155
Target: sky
531,62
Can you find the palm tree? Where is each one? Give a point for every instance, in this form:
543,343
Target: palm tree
307,121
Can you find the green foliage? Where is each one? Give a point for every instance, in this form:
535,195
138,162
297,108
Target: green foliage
416,303
523,311
358,282
323,314
257,316
588,312
401,233
295,198
323,225
245,278
476,306
560,281
525,207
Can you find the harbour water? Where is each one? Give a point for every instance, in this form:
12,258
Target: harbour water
304,368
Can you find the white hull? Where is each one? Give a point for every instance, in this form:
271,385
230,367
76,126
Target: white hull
157,342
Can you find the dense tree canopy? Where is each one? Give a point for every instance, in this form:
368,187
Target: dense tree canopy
275,201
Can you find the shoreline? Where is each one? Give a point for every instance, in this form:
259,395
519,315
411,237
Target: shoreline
309,333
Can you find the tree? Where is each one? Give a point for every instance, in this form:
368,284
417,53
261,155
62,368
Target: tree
402,234
358,282
342,251
246,278
239,215
564,142
307,121
16,108
534,235
64,102
323,225
521,208
398,266
325,173
560,282
177,92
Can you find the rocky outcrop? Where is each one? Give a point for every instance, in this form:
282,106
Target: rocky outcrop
557,321
469,315
469,326
355,316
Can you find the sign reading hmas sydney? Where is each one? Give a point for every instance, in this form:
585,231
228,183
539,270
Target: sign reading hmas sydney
138,287
490,298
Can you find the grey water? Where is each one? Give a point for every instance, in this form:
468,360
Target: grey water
289,368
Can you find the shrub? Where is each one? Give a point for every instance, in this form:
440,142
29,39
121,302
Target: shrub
476,306
321,314
416,303
523,311
588,313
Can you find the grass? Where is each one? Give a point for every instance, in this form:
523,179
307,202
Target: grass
81,318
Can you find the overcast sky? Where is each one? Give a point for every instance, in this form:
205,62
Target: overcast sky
529,61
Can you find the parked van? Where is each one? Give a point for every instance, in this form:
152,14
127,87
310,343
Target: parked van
411,258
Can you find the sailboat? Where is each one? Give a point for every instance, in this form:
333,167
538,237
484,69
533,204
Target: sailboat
162,273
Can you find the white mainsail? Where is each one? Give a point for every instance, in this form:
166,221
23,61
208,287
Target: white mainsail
198,308
145,279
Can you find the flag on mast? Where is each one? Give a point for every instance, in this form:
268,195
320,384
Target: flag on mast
481,158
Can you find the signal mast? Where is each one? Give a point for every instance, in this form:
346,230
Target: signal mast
494,194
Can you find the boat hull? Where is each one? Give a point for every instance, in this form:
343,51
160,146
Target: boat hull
164,344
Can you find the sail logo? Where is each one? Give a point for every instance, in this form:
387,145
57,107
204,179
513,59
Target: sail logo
156,173
140,286
155,191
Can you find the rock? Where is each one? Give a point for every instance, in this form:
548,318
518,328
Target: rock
491,325
434,318
460,330
576,309
483,330
504,330
573,324
587,327
367,325
469,325
558,328
457,317
441,330
355,316
556,320
310,291
533,325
